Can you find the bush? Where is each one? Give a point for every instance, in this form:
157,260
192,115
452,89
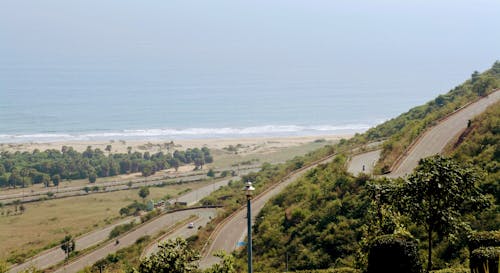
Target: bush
484,239
452,270
393,253
485,260
330,270
120,229
150,215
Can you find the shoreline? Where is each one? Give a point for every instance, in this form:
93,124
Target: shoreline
121,146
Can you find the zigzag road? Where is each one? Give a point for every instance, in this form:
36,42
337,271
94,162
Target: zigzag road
431,142
227,236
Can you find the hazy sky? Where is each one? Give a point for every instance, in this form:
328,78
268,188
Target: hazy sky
249,32
369,42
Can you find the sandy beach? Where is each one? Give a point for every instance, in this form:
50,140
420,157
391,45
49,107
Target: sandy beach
245,145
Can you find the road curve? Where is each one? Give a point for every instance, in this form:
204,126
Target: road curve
151,228
234,230
434,140
182,232
368,160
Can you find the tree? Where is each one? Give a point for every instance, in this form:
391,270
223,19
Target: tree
56,179
225,266
211,173
108,148
175,163
68,245
46,180
14,178
143,193
92,177
174,256
437,194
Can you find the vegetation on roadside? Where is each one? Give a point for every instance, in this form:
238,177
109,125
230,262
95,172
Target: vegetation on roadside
329,218
401,131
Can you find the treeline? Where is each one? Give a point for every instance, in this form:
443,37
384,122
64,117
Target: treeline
405,128
20,169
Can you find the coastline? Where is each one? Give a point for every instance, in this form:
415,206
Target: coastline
248,144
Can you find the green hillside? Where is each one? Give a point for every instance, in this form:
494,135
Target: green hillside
328,217
402,130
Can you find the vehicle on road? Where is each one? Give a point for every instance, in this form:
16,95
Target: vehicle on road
191,225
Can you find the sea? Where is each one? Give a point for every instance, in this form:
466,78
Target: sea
229,69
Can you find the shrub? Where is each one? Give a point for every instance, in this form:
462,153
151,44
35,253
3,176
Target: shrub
485,260
393,253
330,270
120,229
452,270
484,239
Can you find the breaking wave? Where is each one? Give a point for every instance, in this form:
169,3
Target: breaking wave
189,133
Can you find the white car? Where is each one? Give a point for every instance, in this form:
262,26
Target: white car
191,225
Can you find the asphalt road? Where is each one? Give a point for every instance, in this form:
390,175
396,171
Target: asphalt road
182,232
56,255
235,229
435,139
368,160
164,222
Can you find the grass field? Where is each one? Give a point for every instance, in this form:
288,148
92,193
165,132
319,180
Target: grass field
277,155
46,223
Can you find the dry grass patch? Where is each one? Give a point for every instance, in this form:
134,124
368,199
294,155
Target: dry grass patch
45,223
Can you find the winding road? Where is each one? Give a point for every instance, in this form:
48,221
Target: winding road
434,140
55,255
166,221
234,230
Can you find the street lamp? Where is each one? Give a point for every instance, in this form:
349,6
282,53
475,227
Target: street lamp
249,192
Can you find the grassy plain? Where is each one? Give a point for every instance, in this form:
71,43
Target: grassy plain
46,223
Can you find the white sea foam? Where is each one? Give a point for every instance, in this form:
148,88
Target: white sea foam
189,133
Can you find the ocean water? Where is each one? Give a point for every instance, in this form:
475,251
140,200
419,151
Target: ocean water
190,69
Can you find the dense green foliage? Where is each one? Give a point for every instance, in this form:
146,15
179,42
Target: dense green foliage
437,195
174,256
393,254
481,148
317,221
484,239
24,168
328,218
485,260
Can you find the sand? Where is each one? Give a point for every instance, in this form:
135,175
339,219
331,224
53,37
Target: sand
246,145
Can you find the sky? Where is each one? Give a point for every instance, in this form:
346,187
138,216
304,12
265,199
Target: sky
234,32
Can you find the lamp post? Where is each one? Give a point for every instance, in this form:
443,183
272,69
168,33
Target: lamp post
249,192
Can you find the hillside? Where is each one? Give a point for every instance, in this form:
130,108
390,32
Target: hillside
328,217
399,132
